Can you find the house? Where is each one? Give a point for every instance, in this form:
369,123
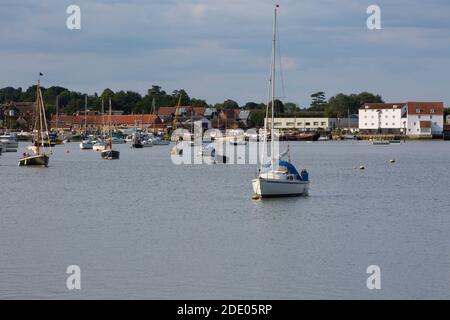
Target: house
245,119
167,114
20,113
447,119
416,119
210,113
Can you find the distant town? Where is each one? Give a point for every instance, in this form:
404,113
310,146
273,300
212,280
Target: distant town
363,115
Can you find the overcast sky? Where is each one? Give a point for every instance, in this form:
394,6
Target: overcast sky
217,49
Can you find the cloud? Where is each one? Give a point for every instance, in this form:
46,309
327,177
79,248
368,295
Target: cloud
221,49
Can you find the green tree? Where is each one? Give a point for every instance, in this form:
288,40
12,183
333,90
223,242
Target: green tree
318,101
230,104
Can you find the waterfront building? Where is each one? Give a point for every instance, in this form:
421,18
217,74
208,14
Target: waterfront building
416,119
316,124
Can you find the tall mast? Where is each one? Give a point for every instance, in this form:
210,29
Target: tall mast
57,114
38,121
85,114
110,124
272,135
103,119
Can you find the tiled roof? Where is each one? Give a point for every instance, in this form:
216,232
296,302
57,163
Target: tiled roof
431,108
383,105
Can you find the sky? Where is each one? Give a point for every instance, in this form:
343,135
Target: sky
220,49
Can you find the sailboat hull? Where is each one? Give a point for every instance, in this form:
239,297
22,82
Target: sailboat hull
110,154
267,188
35,161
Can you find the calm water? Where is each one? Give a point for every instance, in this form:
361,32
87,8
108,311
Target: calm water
141,227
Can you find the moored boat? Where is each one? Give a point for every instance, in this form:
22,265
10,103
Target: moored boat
40,157
278,177
109,153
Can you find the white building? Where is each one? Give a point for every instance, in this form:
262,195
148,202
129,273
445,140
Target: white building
313,124
421,119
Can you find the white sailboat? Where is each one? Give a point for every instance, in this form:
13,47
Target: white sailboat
277,177
100,145
86,144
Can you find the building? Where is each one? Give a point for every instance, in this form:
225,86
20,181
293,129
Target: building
447,119
211,113
245,119
386,118
317,124
17,114
416,119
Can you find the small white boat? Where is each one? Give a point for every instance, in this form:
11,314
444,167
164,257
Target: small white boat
9,142
380,142
157,141
99,146
238,143
118,141
147,143
86,145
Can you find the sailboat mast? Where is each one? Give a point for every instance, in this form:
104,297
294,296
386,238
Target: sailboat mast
272,135
103,119
57,114
110,124
38,122
85,114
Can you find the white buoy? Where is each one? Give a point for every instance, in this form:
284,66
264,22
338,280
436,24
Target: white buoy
362,168
392,161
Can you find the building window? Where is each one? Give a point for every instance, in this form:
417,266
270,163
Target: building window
387,124
365,124
393,117
432,110
414,124
316,124
372,123
420,117
431,117
324,123
308,123
417,110
417,130
435,123
409,130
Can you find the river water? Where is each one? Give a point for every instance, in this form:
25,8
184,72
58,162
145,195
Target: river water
144,228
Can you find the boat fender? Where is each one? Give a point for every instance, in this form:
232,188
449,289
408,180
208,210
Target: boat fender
304,175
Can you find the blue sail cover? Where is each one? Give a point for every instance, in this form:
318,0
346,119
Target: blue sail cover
280,163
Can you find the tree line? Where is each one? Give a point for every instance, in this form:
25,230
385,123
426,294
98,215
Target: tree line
133,102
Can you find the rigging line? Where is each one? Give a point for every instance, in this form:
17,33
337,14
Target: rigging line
281,64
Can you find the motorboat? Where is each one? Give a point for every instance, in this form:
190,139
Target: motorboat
9,142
